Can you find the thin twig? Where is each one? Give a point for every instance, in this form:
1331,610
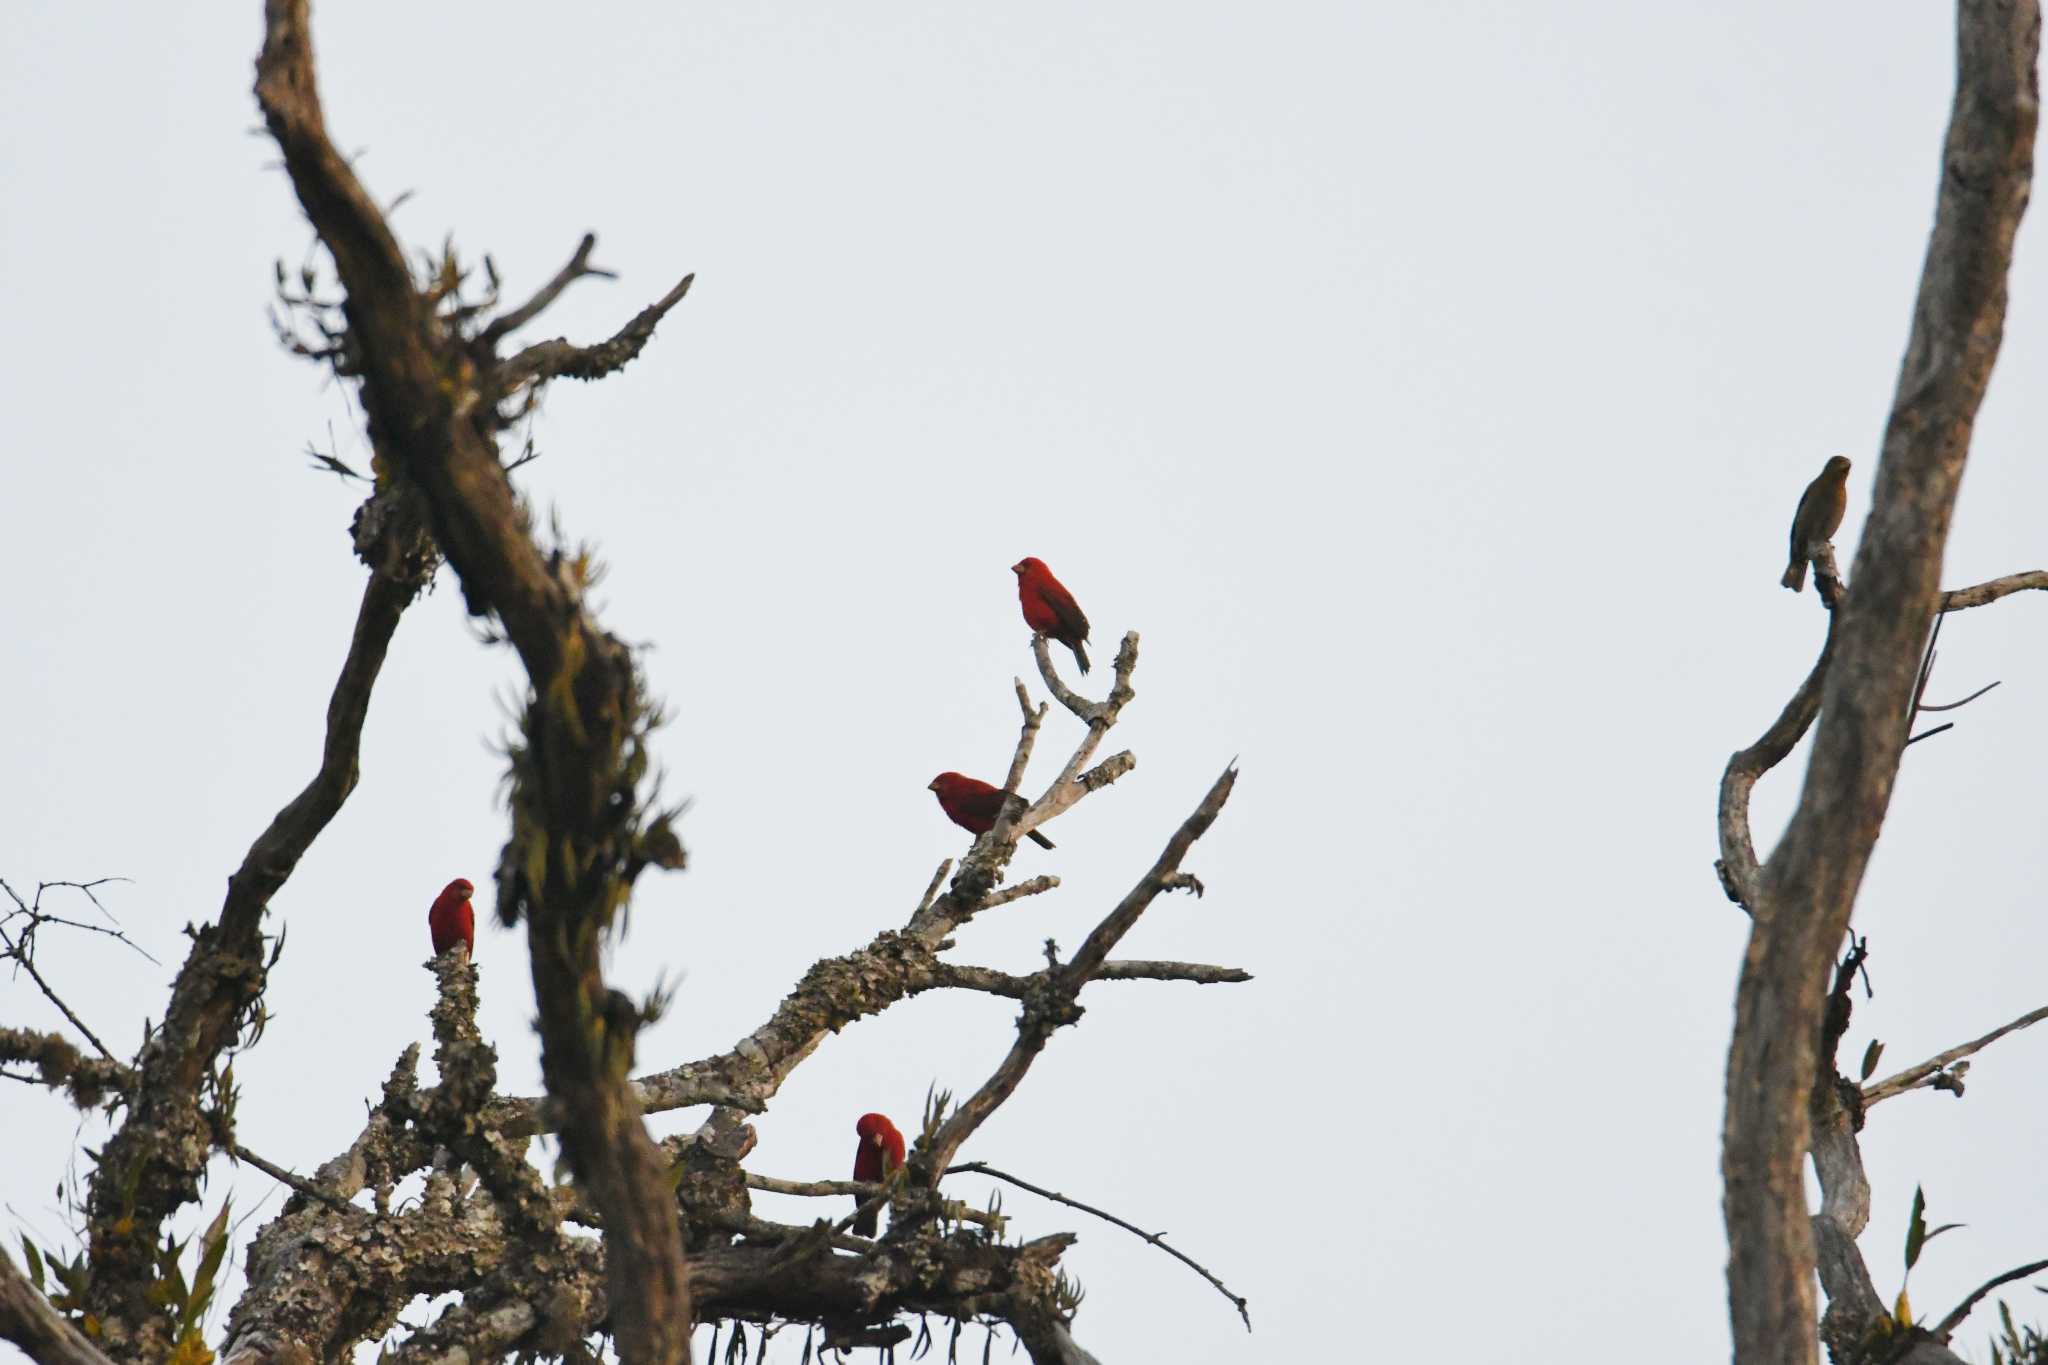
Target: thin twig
931,892
1007,825
1031,887
1157,1239
87,888
1958,705
1962,1310
954,1209
1920,691
27,963
579,267
285,1177
1917,1077
1926,672
37,916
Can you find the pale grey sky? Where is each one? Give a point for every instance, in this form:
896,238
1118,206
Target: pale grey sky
1430,385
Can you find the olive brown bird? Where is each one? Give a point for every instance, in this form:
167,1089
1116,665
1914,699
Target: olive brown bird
1818,518
973,804
1049,609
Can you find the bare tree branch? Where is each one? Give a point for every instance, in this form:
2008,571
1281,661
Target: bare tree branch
1157,1239
1047,1009
1928,1073
1025,987
1738,865
952,1209
931,892
1984,593
286,1178
555,359
21,951
28,1320
893,966
1031,886
88,1079
578,268
1946,1328
1201,973
1854,1308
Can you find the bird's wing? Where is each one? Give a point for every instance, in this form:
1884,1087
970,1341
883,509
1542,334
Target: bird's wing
1800,527
1066,610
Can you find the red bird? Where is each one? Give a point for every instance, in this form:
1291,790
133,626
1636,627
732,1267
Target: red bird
1049,609
973,804
450,919
880,1152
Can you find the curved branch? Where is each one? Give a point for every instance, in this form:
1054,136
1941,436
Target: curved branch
1738,863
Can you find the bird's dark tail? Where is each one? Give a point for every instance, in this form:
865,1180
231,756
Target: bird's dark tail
1035,837
1080,656
1795,577
864,1226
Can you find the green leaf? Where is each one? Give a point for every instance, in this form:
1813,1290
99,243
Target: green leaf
215,1242
1916,1227
1870,1056
72,1274
35,1262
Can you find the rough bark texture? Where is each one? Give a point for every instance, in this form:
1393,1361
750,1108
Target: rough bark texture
1809,885
151,1166
323,1278
28,1320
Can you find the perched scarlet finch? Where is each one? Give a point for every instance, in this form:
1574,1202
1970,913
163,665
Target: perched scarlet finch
450,919
1049,609
1818,518
880,1152
973,805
